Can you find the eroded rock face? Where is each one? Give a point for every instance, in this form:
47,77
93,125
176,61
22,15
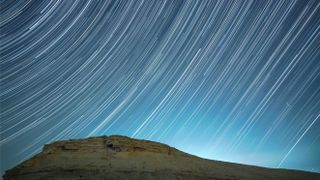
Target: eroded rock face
119,157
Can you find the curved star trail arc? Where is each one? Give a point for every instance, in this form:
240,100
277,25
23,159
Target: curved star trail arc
228,80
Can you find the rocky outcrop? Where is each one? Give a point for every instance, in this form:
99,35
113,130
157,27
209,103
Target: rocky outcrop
119,157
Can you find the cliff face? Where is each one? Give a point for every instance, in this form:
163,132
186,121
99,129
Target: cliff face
118,157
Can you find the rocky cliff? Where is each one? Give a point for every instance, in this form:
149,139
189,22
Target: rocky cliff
119,157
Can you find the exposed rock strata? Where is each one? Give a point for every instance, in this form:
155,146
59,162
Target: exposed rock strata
119,157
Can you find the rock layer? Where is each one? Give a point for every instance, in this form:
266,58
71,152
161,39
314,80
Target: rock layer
119,157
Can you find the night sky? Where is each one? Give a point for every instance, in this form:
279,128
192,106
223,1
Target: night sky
235,81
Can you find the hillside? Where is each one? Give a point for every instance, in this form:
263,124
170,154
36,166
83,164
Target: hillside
119,157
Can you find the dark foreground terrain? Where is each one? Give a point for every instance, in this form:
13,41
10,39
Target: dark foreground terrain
119,157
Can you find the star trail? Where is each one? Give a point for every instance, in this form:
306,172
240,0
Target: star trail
234,81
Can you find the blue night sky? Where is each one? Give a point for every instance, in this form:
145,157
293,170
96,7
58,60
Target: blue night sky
234,81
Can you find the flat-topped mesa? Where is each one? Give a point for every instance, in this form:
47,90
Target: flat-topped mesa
102,153
110,145
120,157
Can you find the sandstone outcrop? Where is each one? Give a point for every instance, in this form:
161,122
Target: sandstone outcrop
119,157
